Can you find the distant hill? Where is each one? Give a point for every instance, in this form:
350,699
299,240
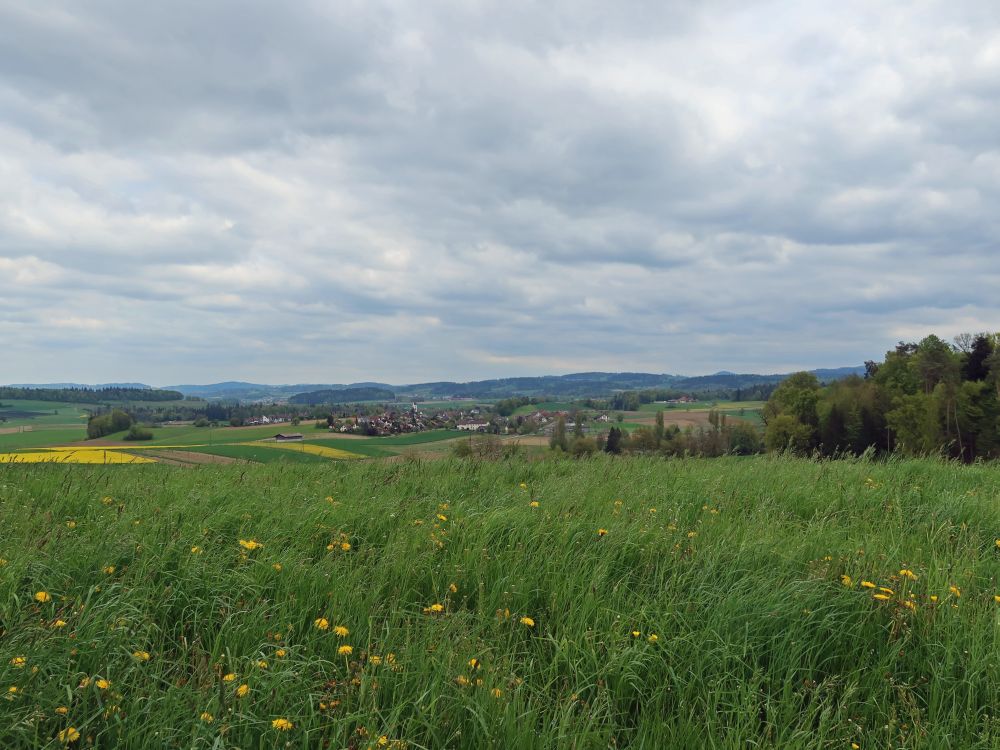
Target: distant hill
342,396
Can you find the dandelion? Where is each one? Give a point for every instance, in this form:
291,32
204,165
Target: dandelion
262,663
62,710
231,677
534,504
281,653
242,690
207,717
85,682
42,597
282,725
884,590
855,746
906,573
321,623
955,590
71,524
868,584
442,517
345,546
496,692
653,638
18,662
67,735
474,664
847,580
250,545
998,543
102,684
602,532
277,567
345,650
436,607
196,550
462,681
933,597
375,660
12,689
59,624
527,622
524,486
3,561
453,588
909,605
140,655
106,500
692,534
636,633
341,631
881,597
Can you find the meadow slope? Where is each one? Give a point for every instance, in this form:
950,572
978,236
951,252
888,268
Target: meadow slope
616,602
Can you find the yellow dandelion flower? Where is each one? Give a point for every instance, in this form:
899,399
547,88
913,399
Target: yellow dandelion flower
868,584
42,597
523,486
881,597
230,677
321,623
242,690
602,532
102,684
109,569
345,546
281,653
277,567
141,655
341,631
998,542
62,710
67,735
462,681
847,580
907,573
382,741
59,624
653,638
442,517
106,500
345,650
330,547
18,662
534,504
528,622
85,682
933,597
955,590
692,534
474,664
3,561
884,590
71,524
282,725
12,689
206,717
375,660
434,608
262,663
453,588
196,550
496,692
996,598
909,605
855,746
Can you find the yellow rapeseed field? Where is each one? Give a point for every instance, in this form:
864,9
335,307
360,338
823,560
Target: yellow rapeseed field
73,456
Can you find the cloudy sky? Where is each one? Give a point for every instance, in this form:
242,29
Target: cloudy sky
404,191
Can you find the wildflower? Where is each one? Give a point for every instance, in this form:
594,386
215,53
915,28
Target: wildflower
102,684
382,741
375,660
847,580
998,543
692,534
3,561
207,717
281,653
524,486
534,504
109,569
12,689
955,590
106,500
62,710
345,546
42,597
250,545
881,597
341,631
231,677
345,650
242,690
59,624
868,584
653,638
461,681
321,623
933,597
71,524
67,735
496,692
141,655
85,682
474,664
884,590
262,663
602,532
996,598
434,608
453,588
528,622
636,633
277,567
442,517
909,605
282,725
18,662
855,746
906,573
196,550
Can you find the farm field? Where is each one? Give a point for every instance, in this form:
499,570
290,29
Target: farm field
725,406
615,602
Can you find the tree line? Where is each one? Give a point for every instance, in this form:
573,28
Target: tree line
89,395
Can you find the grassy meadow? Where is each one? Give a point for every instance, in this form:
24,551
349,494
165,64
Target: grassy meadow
641,603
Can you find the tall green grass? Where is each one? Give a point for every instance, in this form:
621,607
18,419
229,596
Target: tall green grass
733,564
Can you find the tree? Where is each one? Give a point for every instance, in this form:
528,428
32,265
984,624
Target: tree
658,429
786,432
614,443
558,439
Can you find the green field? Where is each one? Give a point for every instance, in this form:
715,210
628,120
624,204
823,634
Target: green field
46,413
726,406
42,436
547,406
362,447
263,454
748,572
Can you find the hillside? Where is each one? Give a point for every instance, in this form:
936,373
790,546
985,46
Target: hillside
613,602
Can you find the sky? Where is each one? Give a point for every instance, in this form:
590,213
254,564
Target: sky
403,191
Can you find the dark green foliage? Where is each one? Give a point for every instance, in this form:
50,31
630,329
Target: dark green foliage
136,432
90,395
114,421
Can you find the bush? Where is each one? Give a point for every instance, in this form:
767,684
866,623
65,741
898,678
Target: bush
139,433
201,422
115,421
